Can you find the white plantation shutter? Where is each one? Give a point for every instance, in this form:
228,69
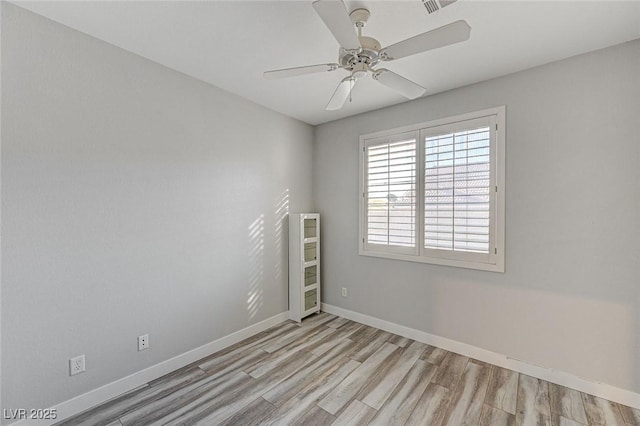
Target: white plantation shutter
457,191
390,193
434,193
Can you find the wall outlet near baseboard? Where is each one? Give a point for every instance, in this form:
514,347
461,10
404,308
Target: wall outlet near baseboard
344,292
143,342
76,365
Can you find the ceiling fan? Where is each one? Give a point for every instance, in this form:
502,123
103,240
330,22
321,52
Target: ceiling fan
359,54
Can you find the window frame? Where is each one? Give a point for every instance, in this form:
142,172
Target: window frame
494,260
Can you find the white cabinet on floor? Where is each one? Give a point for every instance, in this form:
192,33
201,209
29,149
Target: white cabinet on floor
304,265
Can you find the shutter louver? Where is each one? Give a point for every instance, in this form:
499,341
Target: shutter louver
457,191
390,194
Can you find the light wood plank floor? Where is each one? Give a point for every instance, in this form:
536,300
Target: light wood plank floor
332,371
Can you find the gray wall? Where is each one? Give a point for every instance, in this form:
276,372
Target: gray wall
569,299
134,200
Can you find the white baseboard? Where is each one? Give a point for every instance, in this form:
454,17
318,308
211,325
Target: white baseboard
601,390
109,391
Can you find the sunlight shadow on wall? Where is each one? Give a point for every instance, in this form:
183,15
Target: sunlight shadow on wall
281,237
255,297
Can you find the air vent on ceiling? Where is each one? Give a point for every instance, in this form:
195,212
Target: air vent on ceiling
435,5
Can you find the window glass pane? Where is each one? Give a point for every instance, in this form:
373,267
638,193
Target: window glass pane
457,191
391,192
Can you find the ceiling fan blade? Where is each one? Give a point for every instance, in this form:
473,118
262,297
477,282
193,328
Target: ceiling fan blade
405,87
443,36
341,94
292,72
335,16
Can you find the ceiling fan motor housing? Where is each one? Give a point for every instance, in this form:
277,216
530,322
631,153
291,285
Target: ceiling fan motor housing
368,56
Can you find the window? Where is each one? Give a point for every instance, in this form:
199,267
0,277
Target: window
434,192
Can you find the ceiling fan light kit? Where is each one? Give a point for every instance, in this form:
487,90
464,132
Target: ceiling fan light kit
359,54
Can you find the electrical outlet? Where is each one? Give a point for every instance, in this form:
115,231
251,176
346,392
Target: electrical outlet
76,365
344,292
143,342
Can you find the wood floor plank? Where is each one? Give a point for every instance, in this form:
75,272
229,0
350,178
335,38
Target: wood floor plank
567,403
399,340
195,394
450,370
364,334
468,398
229,404
276,359
309,339
294,410
532,404
602,412
356,414
492,416
558,420
244,361
503,389
317,390
109,411
316,416
376,396
294,335
431,407
351,385
630,415
213,365
342,333
399,406
222,407
140,397
315,372
434,355
256,339
317,319
220,402
370,347
181,376
379,375
339,322
233,351
253,414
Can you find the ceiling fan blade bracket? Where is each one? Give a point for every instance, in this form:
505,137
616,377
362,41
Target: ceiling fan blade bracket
384,56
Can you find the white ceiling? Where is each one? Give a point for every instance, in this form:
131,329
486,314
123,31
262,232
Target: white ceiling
230,43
